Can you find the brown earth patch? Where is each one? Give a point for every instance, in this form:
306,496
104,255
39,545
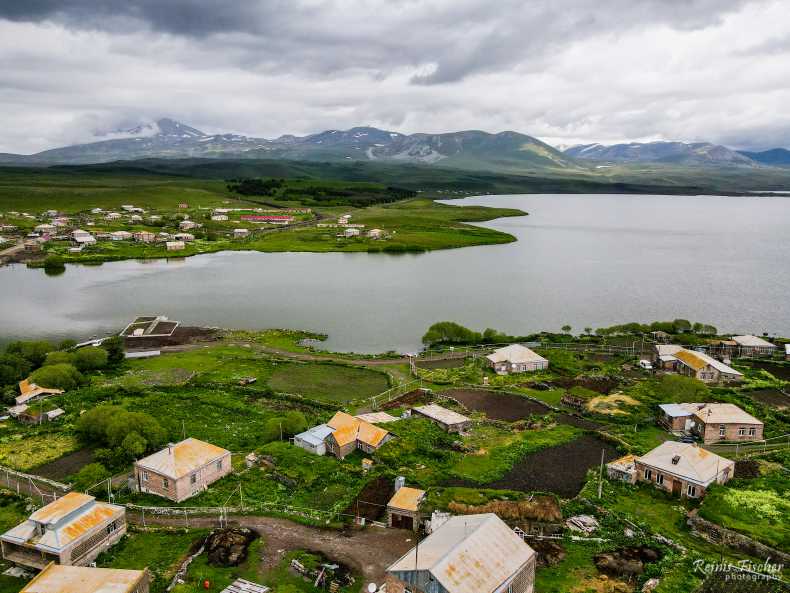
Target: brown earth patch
65,466
416,397
780,371
497,406
602,385
448,363
771,397
371,502
561,470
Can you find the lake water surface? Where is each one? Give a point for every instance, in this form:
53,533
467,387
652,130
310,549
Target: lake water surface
584,260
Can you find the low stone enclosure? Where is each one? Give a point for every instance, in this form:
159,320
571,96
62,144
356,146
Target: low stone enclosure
719,535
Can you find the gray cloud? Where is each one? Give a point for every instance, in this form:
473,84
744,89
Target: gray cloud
571,71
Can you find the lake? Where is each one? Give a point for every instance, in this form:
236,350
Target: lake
584,260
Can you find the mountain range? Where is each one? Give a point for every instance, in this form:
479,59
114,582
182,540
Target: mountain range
468,150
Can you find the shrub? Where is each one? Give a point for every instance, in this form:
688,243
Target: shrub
58,376
677,388
91,474
59,358
90,358
35,352
115,350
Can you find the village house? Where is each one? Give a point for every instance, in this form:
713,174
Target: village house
219,217
674,358
752,346
466,554
711,422
516,359
144,237
56,578
135,218
403,509
448,420
623,469
351,232
127,208
375,233
787,351
30,392
186,237
112,216
186,225
120,235
96,210
725,422
683,469
342,435
82,237
182,470
72,530
174,245
241,233
46,229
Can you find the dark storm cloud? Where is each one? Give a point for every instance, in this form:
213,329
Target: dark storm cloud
457,38
567,71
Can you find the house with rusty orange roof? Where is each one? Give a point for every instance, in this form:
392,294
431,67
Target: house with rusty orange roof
691,363
72,530
182,470
403,509
349,433
683,469
30,392
56,578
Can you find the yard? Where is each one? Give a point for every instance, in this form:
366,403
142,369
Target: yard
24,451
327,381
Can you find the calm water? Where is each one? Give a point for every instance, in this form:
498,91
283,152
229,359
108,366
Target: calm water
582,260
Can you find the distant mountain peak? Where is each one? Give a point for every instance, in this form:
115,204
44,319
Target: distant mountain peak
661,151
171,127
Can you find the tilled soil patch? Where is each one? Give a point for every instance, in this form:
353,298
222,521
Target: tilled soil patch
65,466
448,363
771,397
561,469
602,385
416,397
497,406
779,371
371,503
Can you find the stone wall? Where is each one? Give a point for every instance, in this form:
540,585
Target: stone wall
719,535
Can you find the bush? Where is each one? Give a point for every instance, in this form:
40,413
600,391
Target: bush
34,352
90,358
13,368
57,376
126,434
115,350
283,427
59,358
91,474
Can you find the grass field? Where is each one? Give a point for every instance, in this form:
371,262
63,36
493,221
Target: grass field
23,452
327,382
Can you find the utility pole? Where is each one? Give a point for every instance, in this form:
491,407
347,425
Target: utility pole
600,474
184,429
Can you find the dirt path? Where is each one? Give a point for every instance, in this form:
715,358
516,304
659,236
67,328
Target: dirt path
369,551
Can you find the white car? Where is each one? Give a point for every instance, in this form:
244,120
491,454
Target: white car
645,364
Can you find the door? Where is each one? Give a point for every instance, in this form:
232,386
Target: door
677,487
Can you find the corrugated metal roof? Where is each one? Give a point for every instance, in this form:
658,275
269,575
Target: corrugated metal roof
469,554
347,428
316,435
753,341
81,579
678,410
441,414
515,353
182,458
244,586
377,417
62,507
694,463
406,498
724,414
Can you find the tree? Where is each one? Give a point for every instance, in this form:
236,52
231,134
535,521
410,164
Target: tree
295,422
680,389
13,368
59,358
588,330
57,376
90,475
35,352
134,444
67,344
115,350
90,358
682,326
449,332
566,328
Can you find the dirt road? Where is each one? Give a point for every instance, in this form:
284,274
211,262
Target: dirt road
368,551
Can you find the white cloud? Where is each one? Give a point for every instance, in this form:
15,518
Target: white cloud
567,72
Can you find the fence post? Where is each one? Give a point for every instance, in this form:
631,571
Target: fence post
186,518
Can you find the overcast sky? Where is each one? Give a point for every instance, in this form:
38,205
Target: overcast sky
566,71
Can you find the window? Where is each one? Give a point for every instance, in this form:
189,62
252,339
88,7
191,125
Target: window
691,490
659,479
722,430
742,431
752,431
112,527
145,476
219,464
648,474
193,479
165,483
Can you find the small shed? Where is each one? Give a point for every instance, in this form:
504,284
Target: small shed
241,233
623,469
314,439
403,509
448,420
175,245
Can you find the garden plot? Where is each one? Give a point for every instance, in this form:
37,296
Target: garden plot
771,397
26,452
66,466
497,406
561,470
448,363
